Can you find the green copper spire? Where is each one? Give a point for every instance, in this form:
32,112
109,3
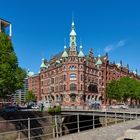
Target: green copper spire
30,73
81,54
99,62
43,64
72,35
65,54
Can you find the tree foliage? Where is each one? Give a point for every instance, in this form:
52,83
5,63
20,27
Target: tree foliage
30,96
11,75
123,89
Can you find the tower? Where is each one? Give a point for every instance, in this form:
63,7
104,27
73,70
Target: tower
73,45
6,27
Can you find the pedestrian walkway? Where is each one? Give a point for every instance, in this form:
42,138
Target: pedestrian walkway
112,132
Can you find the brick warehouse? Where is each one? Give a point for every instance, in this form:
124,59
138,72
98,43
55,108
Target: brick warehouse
72,77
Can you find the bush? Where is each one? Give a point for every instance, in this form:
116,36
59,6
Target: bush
54,110
57,109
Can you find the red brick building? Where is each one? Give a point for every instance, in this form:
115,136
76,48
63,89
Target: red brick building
34,84
72,77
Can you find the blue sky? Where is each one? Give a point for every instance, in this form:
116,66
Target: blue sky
40,26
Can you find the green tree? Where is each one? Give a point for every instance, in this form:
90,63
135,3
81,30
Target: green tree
11,75
30,96
123,89
113,90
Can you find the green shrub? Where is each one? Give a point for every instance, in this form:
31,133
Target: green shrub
51,110
55,109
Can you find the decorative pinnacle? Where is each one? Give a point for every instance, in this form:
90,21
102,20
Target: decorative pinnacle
65,41
81,44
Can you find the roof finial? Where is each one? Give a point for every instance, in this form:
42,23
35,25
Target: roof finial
80,41
72,16
121,62
65,41
99,51
72,20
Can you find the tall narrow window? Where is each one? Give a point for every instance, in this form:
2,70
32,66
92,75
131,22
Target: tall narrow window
52,80
81,87
64,87
64,77
81,77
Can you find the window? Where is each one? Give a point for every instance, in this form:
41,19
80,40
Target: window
56,89
73,87
56,71
72,67
89,80
100,81
56,80
81,87
73,97
61,78
61,88
64,77
52,89
42,75
81,77
73,76
57,98
64,87
61,96
52,80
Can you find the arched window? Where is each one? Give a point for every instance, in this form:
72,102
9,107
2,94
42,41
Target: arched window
61,96
57,98
73,87
72,67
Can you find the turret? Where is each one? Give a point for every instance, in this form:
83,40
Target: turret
73,45
43,65
99,62
65,54
81,54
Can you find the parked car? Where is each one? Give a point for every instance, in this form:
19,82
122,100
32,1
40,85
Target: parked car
10,109
119,106
30,104
35,107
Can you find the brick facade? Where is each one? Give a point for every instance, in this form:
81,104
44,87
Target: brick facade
72,78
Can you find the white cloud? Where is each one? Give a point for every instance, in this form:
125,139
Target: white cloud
111,47
108,48
121,43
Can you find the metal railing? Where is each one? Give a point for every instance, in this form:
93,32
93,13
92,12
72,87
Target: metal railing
27,129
